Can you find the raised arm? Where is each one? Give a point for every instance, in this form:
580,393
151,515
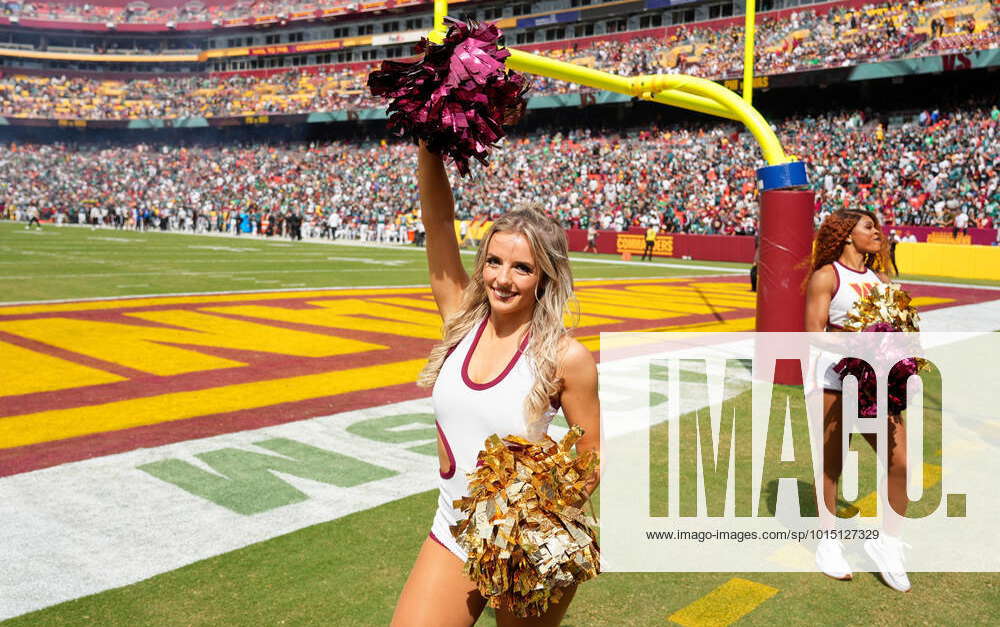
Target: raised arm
437,212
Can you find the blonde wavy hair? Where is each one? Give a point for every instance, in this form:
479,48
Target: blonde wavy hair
554,296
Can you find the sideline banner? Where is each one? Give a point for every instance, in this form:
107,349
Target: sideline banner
945,235
738,248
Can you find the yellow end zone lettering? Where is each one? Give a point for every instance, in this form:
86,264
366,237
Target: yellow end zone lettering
24,371
143,347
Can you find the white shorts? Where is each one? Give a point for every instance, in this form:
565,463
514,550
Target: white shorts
444,518
824,376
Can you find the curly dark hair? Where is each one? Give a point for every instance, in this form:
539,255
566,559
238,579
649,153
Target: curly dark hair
832,237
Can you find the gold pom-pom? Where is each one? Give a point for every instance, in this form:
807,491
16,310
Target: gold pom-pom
886,303
525,532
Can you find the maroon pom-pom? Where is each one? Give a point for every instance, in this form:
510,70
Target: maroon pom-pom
868,382
457,97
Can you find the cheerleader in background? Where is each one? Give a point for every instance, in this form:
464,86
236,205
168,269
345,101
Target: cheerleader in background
850,256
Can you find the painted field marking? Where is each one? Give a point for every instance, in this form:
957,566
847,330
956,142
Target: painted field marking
793,556
416,303
75,519
106,302
377,262
46,426
116,239
152,300
64,575
227,249
593,342
406,312
92,275
147,300
84,527
923,301
725,605
24,371
154,349
148,348
242,481
867,505
346,313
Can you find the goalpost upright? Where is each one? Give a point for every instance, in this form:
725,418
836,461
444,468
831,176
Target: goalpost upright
785,223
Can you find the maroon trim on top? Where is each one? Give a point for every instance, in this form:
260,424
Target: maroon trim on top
468,358
865,271
447,449
836,275
435,538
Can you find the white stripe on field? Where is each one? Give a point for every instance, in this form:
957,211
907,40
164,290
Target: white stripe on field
15,277
93,525
89,526
300,288
410,247
93,299
97,524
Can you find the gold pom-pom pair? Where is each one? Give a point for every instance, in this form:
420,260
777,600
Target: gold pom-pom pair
525,533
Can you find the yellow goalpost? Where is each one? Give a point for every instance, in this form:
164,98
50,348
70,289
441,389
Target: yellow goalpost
678,90
786,205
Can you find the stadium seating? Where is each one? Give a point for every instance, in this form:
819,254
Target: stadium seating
803,40
689,177
141,13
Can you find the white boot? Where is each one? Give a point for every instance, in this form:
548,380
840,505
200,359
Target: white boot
887,553
830,560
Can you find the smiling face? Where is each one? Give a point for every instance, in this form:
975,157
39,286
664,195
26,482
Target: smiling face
510,273
866,236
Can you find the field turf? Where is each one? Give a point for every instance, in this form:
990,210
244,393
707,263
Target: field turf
74,262
349,571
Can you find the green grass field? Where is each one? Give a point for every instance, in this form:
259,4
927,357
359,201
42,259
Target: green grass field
74,262
349,571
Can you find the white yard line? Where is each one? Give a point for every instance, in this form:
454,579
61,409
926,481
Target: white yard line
83,527
971,318
16,277
88,526
292,288
946,284
80,528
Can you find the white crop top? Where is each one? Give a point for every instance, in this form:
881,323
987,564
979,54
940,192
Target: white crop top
851,285
468,412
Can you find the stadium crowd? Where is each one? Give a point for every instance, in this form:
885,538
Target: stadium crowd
691,178
328,89
803,40
142,13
